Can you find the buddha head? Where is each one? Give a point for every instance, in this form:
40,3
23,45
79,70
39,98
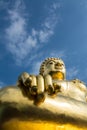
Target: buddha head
55,67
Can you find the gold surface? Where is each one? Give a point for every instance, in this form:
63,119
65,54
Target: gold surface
28,125
59,113
58,75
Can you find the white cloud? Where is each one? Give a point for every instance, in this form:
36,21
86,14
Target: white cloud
56,5
4,4
2,84
16,30
72,72
36,67
44,35
20,41
49,24
59,54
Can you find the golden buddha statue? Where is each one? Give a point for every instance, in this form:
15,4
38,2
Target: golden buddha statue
51,80
44,101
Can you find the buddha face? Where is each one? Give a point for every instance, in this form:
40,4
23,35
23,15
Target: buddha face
55,67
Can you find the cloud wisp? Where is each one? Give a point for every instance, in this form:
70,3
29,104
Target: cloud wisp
20,40
60,54
2,84
72,72
49,23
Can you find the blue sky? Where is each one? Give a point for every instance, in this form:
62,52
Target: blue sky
32,30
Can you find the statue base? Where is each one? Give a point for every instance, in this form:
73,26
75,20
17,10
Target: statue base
58,113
